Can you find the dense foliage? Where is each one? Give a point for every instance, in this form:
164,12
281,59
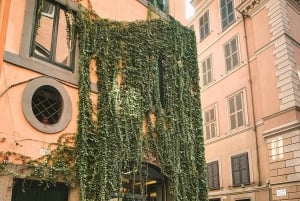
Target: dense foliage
145,69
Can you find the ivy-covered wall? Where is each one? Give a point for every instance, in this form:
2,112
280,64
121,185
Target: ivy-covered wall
145,69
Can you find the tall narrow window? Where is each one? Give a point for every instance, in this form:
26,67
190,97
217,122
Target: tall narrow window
161,4
52,42
236,111
210,123
240,169
207,71
227,13
231,54
213,175
204,25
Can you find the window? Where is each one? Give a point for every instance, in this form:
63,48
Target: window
236,111
231,54
213,175
210,123
215,199
207,71
46,105
161,4
204,25
227,13
240,169
52,42
30,190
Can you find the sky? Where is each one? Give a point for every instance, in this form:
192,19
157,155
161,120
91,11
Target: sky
189,9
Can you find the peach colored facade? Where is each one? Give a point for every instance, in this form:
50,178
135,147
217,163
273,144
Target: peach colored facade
255,105
18,70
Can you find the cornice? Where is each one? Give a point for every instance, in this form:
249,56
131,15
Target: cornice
249,7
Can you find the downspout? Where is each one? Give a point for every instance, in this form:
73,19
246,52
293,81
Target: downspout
252,101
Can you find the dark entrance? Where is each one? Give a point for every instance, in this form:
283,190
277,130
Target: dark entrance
31,190
146,186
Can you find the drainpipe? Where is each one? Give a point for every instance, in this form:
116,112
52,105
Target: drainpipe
252,101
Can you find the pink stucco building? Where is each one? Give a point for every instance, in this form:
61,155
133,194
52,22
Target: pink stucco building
39,84
249,59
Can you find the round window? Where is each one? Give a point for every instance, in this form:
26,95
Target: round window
46,105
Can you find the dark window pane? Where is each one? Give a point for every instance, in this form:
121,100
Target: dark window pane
227,50
240,119
239,101
212,114
235,60
231,106
213,130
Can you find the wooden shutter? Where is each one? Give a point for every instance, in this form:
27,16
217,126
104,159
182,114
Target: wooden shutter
213,175
240,169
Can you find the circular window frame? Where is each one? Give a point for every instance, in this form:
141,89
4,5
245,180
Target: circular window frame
66,113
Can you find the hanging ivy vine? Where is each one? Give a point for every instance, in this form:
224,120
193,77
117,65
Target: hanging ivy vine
148,103
157,62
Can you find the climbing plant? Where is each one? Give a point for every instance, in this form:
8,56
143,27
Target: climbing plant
148,103
145,69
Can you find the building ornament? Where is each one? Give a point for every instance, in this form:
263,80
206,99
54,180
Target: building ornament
248,7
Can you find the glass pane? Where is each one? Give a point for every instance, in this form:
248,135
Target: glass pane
232,121
212,114
206,17
223,3
213,130
228,64
238,99
62,52
230,7
235,60
208,63
43,38
207,132
240,118
209,78
204,67
224,13
231,105
206,28
201,21
230,18
207,117
233,44
227,50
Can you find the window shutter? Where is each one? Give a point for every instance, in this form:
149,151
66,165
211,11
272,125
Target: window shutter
213,175
244,169
240,169
236,171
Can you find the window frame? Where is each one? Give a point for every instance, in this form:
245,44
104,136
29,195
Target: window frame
239,171
226,7
208,136
243,109
205,26
56,16
205,74
24,60
231,54
215,177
